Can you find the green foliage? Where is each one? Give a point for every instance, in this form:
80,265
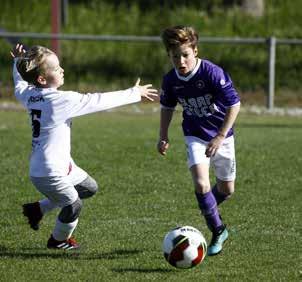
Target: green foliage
143,195
91,66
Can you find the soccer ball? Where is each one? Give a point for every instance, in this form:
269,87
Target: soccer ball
184,247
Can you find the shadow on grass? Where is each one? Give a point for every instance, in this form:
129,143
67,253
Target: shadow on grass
116,254
142,270
31,253
34,253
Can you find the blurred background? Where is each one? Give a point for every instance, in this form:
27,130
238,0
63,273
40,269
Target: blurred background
92,65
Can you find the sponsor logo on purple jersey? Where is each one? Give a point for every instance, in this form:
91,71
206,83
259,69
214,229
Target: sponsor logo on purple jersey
204,95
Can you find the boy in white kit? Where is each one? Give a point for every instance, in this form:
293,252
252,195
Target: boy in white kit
37,75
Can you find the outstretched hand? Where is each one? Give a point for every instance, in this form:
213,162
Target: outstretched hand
18,51
146,91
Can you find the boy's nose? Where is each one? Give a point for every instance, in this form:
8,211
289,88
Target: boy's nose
182,60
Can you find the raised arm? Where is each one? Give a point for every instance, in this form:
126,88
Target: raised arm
84,104
20,84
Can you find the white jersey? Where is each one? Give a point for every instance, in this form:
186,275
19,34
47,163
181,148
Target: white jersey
50,111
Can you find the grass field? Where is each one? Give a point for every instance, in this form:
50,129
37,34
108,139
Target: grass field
143,195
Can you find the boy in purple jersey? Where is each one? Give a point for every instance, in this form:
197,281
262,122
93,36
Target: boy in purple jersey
37,76
210,107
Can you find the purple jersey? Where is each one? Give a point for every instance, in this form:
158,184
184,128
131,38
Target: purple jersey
205,95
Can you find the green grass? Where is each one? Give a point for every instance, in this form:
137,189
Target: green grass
143,195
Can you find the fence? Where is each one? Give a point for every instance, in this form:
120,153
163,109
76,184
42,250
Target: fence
271,43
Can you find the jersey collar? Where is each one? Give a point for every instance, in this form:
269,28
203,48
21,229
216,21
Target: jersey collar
187,78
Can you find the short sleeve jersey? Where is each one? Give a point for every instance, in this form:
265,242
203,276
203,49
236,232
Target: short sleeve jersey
205,94
51,112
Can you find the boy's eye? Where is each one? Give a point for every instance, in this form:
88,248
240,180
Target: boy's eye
179,56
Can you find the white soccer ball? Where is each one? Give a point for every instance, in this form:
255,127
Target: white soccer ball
184,247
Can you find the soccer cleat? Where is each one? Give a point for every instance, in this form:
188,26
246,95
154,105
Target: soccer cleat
33,213
217,241
68,244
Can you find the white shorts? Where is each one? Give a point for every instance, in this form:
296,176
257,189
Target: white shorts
60,189
223,162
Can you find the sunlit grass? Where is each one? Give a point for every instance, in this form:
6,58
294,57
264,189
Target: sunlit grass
143,195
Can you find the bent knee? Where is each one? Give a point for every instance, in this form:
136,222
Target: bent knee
227,188
202,186
71,212
91,185
87,188
230,192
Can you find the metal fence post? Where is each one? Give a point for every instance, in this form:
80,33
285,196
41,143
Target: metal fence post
271,72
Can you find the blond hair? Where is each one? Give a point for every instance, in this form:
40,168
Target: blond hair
31,64
178,35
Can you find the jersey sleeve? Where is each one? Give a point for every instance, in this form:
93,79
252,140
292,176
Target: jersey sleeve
167,99
223,87
20,84
78,104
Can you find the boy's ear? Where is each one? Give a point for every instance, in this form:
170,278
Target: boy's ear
41,80
195,51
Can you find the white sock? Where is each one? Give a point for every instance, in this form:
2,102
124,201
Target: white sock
63,231
46,205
